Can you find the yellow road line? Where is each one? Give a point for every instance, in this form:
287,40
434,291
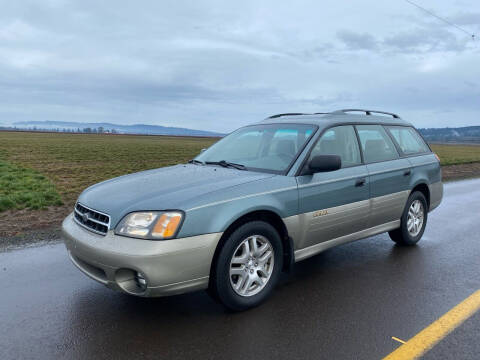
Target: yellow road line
399,340
432,334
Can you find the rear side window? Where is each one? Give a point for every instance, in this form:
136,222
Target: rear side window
341,141
408,140
376,144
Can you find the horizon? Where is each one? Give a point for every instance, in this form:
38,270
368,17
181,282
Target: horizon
45,122
468,135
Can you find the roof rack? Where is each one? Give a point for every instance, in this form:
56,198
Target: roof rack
367,112
293,114
286,114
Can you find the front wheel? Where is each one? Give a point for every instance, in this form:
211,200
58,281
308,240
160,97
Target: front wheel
248,266
413,221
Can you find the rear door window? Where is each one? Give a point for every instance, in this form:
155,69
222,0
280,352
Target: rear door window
376,144
408,140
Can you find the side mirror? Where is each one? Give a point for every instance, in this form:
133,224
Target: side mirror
203,150
324,163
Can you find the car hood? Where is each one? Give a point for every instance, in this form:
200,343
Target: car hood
176,187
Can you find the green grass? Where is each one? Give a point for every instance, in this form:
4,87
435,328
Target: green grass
457,154
73,162
25,188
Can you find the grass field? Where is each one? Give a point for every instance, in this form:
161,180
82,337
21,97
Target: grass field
457,154
72,162
42,169
25,188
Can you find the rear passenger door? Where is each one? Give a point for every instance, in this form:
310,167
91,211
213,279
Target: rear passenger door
335,203
389,175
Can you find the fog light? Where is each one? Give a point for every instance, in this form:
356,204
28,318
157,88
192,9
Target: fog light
141,281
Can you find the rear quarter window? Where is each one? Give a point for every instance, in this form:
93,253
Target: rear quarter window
408,140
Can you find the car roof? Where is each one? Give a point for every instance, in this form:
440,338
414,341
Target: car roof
338,117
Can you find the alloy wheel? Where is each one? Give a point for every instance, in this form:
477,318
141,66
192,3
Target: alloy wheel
252,265
415,218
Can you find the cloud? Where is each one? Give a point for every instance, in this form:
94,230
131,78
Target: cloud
470,18
218,65
17,30
357,41
426,40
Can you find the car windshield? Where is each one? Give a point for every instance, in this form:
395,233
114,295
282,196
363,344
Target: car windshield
268,148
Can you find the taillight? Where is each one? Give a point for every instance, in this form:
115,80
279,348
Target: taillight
437,157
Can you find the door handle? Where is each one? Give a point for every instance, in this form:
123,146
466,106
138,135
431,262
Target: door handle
360,182
407,172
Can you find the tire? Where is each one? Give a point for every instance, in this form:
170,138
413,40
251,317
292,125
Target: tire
237,265
404,236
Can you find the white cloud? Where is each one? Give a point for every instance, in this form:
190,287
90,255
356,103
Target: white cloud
17,30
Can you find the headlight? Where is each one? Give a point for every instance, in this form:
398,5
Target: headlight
152,225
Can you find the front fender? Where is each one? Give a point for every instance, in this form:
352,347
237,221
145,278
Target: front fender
278,194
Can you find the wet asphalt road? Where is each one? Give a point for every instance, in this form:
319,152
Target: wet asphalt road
346,303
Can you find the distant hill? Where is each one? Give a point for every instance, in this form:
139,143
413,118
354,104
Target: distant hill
140,129
468,134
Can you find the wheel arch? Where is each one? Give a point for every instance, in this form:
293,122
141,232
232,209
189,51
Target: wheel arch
424,189
269,217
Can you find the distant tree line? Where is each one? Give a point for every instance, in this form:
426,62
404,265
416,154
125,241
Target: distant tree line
467,134
87,130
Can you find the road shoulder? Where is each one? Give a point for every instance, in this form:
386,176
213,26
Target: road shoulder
46,236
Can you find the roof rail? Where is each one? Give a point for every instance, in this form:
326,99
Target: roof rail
286,114
367,112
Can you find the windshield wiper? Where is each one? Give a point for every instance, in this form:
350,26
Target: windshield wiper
194,161
227,164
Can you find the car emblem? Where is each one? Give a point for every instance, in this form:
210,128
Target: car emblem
85,217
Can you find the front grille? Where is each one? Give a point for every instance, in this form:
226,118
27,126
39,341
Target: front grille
91,219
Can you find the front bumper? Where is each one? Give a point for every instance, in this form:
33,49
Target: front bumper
169,266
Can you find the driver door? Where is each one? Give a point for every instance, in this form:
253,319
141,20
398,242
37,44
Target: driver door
335,203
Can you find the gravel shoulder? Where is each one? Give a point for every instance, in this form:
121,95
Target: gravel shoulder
46,236
460,171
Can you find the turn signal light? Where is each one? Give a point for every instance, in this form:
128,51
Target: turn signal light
167,225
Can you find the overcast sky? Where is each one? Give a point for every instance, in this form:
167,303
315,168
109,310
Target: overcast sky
218,65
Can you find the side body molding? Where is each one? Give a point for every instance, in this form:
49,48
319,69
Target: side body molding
298,226
318,248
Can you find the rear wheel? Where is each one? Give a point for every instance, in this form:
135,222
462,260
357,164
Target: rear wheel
248,266
413,221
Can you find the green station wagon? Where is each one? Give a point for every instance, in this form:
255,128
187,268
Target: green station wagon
254,203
